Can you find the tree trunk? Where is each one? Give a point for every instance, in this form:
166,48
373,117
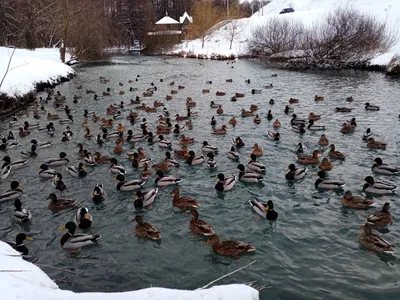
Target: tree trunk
230,45
202,44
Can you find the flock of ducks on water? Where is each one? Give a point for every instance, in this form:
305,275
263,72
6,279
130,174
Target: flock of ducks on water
252,172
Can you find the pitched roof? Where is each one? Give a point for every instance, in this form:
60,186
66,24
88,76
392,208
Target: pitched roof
185,16
166,21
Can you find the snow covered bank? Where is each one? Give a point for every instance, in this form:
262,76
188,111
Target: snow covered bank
307,11
32,283
28,68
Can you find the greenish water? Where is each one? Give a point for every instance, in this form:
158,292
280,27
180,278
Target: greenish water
310,252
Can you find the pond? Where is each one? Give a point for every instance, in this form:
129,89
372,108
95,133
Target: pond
310,252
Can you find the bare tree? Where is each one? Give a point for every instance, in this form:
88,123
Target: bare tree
235,25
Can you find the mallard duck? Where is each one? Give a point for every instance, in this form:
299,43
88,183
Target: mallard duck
380,218
225,184
372,241
220,131
314,117
233,154
62,160
220,111
98,193
265,210
255,165
335,154
246,113
230,247
42,145
163,180
214,105
46,172
14,164
296,121
357,202
59,204
257,119
349,99
163,166
200,227
372,144
146,230
325,165
295,173
312,127
274,136
4,172
318,98
257,150
367,134
170,161
77,171
378,187
21,215
58,183
249,176
13,193
323,141
371,107
309,160
83,219
76,241
23,133
19,243
343,109
164,143
206,148
276,123
145,198
183,201
100,159
233,121
210,163
70,119
129,185
330,184
299,128
380,167
238,142
185,141
194,160
116,168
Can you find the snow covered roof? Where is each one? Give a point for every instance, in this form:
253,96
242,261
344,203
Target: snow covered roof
167,21
185,16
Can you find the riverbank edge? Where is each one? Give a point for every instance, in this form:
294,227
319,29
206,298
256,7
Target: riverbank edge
20,102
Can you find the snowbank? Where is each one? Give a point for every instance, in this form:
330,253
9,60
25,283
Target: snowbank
32,283
307,11
30,67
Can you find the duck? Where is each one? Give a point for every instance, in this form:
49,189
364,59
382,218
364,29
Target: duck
163,166
200,227
183,140
220,111
335,154
23,133
225,184
194,160
145,198
331,184
312,127
61,160
171,161
146,230
349,99
210,163
77,171
255,165
313,117
288,109
238,142
318,98
100,159
57,182
163,180
19,243
380,167
309,160
300,149
296,121
98,193
32,153
220,131
265,210
229,247
70,119
246,113
373,241
347,128
57,204
76,241
269,115
42,145
233,121
257,120
250,177
323,141
163,143
343,109
257,150
299,128
89,159
116,168
380,218
5,172
214,105
367,134
233,154
378,187
129,185
325,165
276,124
21,215
357,202
274,136
372,144
14,192
184,153
14,164
83,219
207,148
295,173
371,107
183,201
46,172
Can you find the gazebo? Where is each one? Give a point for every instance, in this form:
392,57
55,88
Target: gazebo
166,26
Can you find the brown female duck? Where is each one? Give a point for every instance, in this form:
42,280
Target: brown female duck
146,230
200,227
183,201
229,247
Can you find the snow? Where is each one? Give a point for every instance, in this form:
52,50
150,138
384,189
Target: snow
167,21
32,284
30,67
185,16
309,12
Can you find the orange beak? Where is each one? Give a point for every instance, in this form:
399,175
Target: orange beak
207,242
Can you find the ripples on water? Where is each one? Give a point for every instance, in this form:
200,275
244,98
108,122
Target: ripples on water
311,251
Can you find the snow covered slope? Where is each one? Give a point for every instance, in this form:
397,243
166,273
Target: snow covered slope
31,283
307,11
30,67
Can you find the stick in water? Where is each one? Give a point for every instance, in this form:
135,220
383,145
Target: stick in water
59,269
